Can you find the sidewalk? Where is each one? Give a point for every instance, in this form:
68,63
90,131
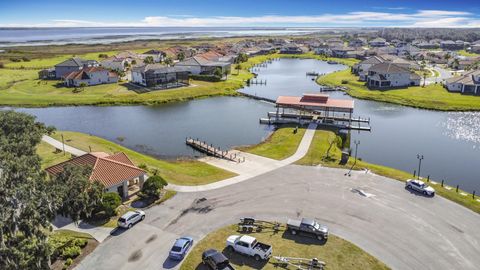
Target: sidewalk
98,232
58,144
253,166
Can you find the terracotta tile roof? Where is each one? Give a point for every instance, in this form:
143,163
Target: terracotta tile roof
110,170
83,74
315,100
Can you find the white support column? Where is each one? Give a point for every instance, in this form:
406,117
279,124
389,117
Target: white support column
125,190
142,178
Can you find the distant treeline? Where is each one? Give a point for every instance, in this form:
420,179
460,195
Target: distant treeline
409,34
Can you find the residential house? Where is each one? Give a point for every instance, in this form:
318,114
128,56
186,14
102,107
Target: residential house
90,76
357,42
361,69
335,42
157,76
291,49
200,66
452,45
157,55
407,50
115,63
377,42
468,83
463,63
475,48
47,74
388,75
117,173
341,52
72,64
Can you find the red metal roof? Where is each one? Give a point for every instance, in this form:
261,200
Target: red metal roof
315,100
110,170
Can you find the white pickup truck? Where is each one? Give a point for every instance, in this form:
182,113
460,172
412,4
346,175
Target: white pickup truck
249,246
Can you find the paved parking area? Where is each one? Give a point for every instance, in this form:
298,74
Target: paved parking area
405,230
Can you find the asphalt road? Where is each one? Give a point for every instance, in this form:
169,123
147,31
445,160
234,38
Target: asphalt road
404,230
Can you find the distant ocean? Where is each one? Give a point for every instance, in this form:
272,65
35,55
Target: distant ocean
103,35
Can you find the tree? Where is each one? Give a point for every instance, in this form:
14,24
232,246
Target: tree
243,57
110,202
83,85
238,68
153,186
79,196
168,61
218,72
181,56
148,60
27,204
134,62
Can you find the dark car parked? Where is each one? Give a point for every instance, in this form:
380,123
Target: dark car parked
216,260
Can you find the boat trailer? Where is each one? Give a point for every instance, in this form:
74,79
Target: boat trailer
249,224
299,263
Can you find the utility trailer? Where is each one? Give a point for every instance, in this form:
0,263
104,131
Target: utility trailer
299,263
249,224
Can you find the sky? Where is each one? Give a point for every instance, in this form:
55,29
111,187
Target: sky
245,13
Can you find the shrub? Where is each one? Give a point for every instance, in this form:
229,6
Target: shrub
80,242
15,59
103,55
110,202
71,252
153,186
143,166
2,65
67,263
25,59
206,78
344,81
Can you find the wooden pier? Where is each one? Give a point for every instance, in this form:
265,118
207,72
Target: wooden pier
258,97
213,151
261,82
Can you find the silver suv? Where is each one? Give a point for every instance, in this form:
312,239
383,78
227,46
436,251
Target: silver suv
420,186
130,218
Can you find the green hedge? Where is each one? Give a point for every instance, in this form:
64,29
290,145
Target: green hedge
206,78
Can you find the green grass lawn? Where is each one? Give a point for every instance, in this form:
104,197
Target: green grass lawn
21,87
337,253
50,156
433,96
468,54
185,172
51,61
280,145
317,155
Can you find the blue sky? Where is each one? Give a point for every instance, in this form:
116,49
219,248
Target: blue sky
316,13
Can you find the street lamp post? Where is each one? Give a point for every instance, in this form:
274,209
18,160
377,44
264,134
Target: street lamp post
355,161
420,158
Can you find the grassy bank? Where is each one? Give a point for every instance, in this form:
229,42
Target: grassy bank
21,87
433,96
184,172
317,155
280,145
337,253
50,156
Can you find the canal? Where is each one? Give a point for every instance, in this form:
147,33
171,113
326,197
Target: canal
449,142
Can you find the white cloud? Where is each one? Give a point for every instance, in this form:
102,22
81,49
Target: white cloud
420,18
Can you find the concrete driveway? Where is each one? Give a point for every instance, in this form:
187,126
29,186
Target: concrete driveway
402,229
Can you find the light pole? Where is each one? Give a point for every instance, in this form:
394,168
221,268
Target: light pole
419,157
355,161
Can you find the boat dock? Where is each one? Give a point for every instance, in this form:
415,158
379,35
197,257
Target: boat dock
320,122
211,150
258,97
344,118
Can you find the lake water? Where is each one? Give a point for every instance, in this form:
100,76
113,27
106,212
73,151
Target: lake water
105,35
450,142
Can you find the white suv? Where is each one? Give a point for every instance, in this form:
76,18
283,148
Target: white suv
131,217
420,186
